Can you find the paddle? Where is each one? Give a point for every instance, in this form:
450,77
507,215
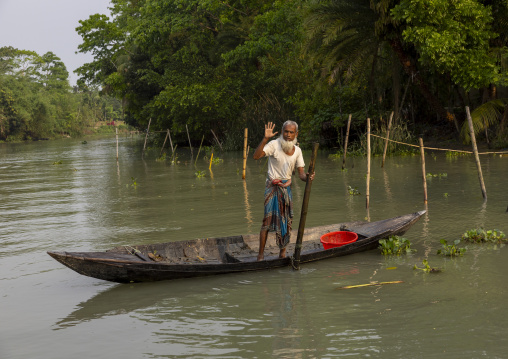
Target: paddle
295,262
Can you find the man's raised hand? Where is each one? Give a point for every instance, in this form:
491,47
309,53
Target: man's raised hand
269,130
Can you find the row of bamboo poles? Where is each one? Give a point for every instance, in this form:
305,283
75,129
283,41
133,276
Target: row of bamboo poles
422,153
369,135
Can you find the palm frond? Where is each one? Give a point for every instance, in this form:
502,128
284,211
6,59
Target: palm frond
484,116
340,36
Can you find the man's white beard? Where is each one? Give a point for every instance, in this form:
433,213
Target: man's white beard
287,146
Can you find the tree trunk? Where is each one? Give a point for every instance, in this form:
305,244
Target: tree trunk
492,92
411,70
502,124
396,84
371,77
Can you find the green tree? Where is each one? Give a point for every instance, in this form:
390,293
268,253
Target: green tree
52,72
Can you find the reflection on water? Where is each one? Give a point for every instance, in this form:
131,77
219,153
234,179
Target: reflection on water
248,213
90,202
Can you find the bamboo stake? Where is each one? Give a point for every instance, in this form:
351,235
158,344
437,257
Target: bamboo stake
475,150
424,175
199,150
386,141
146,136
117,144
173,156
245,137
303,216
345,142
170,141
162,148
367,199
190,145
211,160
216,139
369,284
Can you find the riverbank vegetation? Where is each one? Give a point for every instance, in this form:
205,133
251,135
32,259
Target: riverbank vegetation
226,65
37,102
229,65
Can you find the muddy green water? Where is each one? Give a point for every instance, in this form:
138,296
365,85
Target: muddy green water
88,202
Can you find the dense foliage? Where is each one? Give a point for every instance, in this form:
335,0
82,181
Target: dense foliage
36,101
223,65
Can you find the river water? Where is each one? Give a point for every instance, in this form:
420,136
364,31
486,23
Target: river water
66,195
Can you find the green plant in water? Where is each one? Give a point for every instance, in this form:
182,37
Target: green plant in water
174,157
395,245
427,268
353,191
451,250
134,182
217,160
57,163
452,154
161,158
200,174
437,175
446,195
481,235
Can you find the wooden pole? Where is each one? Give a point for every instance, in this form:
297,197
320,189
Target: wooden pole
211,160
424,174
386,141
190,144
303,215
162,148
173,156
117,144
245,137
345,142
170,141
216,139
146,136
367,191
199,149
475,150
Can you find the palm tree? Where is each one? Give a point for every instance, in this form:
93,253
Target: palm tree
346,36
342,37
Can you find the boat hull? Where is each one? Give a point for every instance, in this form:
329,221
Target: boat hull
214,256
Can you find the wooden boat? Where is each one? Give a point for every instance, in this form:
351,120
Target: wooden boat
211,256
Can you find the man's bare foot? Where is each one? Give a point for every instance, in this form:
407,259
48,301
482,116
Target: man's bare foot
261,257
282,253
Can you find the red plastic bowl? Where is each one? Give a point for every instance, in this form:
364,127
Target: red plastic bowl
338,239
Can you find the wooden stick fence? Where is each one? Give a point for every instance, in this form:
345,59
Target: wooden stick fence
146,136
190,144
345,142
387,137
424,174
162,148
475,150
216,139
116,144
368,165
422,151
439,149
199,150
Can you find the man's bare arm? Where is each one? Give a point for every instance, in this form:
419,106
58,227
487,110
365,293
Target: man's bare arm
303,175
